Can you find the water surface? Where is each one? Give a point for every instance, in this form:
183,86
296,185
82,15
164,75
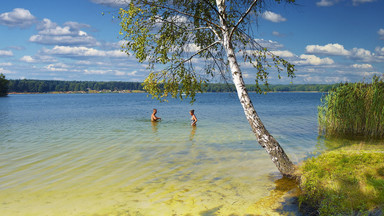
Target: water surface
98,154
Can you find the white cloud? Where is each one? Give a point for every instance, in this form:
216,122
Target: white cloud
362,66
3,71
28,59
6,53
331,49
380,51
326,3
357,2
314,60
57,67
86,71
381,33
277,34
82,52
6,64
363,55
76,25
272,45
70,34
339,50
18,17
112,3
367,74
283,53
273,17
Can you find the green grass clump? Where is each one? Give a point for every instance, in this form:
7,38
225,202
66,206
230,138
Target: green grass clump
344,182
354,109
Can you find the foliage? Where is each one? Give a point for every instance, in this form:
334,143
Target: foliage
354,109
344,182
187,38
43,86
3,86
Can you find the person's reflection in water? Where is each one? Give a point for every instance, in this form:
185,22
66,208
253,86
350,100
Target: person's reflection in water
154,126
193,132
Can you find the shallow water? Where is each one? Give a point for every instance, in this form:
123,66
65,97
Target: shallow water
98,154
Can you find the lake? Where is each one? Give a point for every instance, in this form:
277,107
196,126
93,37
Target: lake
99,154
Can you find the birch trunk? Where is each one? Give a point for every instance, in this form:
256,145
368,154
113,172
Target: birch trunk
265,139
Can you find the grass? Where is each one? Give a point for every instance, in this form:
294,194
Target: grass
345,181
354,109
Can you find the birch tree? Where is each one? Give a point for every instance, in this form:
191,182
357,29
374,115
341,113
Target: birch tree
187,43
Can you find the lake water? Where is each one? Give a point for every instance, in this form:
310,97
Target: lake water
98,154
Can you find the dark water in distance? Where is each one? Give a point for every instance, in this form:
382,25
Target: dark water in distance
86,154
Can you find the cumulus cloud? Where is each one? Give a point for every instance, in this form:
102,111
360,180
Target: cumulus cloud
68,51
57,67
70,34
380,51
6,53
339,50
362,66
28,59
314,60
330,49
38,59
273,17
363,55
283,53
381,33
18,17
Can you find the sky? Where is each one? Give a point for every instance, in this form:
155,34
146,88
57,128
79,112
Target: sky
329,41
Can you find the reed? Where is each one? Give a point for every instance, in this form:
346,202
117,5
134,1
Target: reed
353,110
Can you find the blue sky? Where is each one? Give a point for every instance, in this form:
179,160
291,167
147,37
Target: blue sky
329,41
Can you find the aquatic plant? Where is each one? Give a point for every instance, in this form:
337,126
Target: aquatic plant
353,110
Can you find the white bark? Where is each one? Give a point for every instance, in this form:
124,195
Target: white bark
266,140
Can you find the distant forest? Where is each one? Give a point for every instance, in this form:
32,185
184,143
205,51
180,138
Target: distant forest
44,86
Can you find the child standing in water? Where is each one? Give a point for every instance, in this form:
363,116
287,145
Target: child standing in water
193,117
154,118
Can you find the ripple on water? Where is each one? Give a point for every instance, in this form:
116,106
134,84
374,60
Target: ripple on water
110,160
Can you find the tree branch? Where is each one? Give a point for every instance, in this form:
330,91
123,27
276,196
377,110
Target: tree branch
213,8
242,18
200,51
177,11
195,54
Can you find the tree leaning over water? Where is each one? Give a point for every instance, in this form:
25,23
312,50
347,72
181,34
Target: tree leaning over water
195,41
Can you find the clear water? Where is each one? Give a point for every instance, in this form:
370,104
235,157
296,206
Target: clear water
98,154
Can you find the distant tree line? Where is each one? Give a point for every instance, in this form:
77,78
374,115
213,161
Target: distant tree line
218,87
3,86
43,86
